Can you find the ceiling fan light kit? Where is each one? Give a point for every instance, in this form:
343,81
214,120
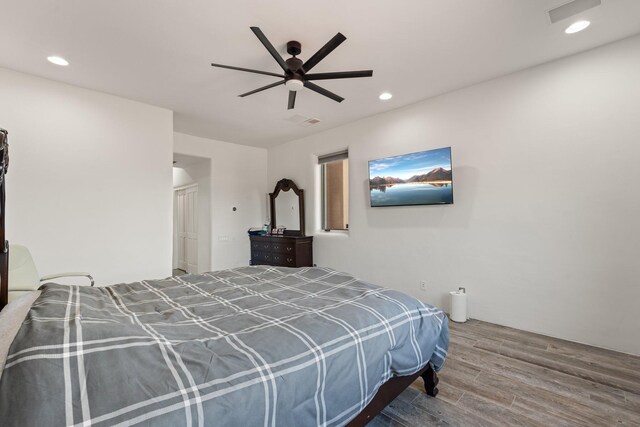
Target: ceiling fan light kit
296,73
294,84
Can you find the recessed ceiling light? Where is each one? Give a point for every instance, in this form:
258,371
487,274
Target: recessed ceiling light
58,60
385,96
577,26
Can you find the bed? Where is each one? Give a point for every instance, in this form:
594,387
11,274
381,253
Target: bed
249,346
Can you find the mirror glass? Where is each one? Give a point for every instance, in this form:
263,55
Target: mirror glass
288,210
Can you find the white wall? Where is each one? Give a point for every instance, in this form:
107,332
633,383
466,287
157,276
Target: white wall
196,173
237,180
89,184
181,178
544,232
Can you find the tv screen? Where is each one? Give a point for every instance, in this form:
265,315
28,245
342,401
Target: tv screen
422,178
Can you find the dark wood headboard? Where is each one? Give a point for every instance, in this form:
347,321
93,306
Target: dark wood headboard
4,245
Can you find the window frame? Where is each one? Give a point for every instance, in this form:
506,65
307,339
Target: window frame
323,160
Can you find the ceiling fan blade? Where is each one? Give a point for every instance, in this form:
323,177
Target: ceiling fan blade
324,51
272,50
339,75
322,91
266,73
261,89
292,99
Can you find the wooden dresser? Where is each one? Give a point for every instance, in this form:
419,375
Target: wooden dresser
285,251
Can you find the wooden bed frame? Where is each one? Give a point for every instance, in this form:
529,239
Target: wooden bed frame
4,250
387,392
392,389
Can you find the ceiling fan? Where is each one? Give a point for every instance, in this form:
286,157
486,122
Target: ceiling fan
296,75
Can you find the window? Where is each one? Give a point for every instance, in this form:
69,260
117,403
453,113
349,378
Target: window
334,173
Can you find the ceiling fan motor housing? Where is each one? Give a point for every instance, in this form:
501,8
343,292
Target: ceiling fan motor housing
294,64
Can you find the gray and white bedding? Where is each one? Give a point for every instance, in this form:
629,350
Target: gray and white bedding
251,346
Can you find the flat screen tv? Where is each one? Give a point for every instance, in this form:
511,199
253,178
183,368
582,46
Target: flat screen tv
422,178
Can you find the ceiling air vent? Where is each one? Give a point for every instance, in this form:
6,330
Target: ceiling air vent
302,120
310,122
297,118
570,9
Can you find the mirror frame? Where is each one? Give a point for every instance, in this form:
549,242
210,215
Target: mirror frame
286,185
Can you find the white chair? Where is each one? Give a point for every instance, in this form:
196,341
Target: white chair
23,275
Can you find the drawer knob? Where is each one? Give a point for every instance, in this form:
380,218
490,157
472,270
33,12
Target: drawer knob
289,259
289,248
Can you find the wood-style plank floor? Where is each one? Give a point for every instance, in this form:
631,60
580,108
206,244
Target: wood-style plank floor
499,376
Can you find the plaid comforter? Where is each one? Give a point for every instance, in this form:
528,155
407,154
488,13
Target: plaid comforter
251,346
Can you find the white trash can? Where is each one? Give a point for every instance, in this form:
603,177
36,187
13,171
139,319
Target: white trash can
458,312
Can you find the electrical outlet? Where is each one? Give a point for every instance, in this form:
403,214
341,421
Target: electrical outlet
423,285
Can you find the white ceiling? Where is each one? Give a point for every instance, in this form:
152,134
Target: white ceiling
158,52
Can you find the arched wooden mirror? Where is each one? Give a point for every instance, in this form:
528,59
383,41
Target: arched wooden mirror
287,207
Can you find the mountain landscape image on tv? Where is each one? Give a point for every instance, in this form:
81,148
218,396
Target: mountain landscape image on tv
422,178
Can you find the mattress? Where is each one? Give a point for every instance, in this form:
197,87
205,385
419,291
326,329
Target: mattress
250,346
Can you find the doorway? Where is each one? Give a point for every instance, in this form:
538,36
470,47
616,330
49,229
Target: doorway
186,201
191,214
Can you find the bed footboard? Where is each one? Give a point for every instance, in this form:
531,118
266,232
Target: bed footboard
392,389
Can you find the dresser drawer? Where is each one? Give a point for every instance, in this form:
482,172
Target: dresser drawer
287,260
284,247
261,246
261,258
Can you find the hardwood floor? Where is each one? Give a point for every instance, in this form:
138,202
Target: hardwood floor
496,375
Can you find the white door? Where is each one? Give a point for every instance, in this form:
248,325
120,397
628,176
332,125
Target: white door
187,228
